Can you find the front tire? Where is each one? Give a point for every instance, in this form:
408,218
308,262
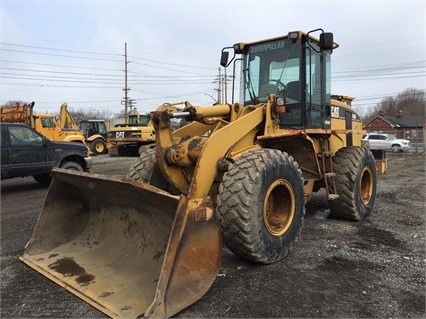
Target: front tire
356,183
72,166
43,179
261,204
396,148
145,169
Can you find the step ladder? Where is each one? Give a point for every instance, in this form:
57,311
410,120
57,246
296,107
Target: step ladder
327,173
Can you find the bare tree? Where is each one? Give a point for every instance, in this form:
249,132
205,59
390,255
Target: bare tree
410,102
12,103
90,114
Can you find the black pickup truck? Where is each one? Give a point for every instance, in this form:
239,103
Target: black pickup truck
25,152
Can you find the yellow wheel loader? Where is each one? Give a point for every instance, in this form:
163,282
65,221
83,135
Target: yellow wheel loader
150,244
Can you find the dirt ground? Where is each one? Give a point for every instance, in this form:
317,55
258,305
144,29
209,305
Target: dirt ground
338,269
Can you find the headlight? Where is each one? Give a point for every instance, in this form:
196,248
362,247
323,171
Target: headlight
280,101
293,35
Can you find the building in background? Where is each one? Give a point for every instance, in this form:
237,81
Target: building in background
410,127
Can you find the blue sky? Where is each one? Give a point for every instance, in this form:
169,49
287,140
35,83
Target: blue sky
72,51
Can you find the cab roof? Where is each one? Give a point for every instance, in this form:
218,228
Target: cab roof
291,35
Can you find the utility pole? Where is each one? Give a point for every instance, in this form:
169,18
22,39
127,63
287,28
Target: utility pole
126,89
219,89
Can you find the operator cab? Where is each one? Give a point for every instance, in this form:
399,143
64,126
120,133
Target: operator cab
296,69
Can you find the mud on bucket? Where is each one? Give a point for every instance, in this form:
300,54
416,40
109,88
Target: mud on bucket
105,239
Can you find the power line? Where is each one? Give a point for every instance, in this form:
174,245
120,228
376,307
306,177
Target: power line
174,64
59,55
59,72
56,49
97,53
62,66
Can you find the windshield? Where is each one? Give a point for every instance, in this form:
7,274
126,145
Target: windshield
272,67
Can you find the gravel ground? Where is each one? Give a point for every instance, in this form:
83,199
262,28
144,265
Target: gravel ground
338,269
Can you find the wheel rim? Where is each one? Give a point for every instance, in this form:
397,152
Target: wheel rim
366,185
99,147
278,207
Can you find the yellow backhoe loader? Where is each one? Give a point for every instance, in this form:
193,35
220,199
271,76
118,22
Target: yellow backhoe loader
93,131
150,244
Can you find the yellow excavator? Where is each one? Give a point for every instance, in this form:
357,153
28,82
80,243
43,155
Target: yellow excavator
132,137
150,244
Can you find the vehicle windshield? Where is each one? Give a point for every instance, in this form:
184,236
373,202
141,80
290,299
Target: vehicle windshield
272,67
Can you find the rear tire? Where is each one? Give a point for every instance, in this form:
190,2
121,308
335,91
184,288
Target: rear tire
98,146
356,183
261,204
113,151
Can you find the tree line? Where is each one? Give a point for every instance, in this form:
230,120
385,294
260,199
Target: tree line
409,102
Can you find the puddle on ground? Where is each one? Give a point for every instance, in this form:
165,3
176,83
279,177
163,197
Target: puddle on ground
322,214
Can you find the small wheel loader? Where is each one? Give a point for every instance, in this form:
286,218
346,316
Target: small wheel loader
239,173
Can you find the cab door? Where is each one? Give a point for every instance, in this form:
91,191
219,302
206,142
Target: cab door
27,152
47,127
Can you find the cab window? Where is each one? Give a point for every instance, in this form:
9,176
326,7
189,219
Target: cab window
47,122
20,135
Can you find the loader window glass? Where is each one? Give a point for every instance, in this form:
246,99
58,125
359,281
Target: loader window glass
315,85
272,67
102,128
313,76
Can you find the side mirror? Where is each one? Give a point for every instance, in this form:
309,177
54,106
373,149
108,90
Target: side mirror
45,141
224,58
326,41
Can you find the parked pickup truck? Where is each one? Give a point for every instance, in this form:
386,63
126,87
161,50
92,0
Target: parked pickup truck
386,142
25,152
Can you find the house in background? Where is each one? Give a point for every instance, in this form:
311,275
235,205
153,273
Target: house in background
409,127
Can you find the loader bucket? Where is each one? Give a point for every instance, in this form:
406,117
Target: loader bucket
123,246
